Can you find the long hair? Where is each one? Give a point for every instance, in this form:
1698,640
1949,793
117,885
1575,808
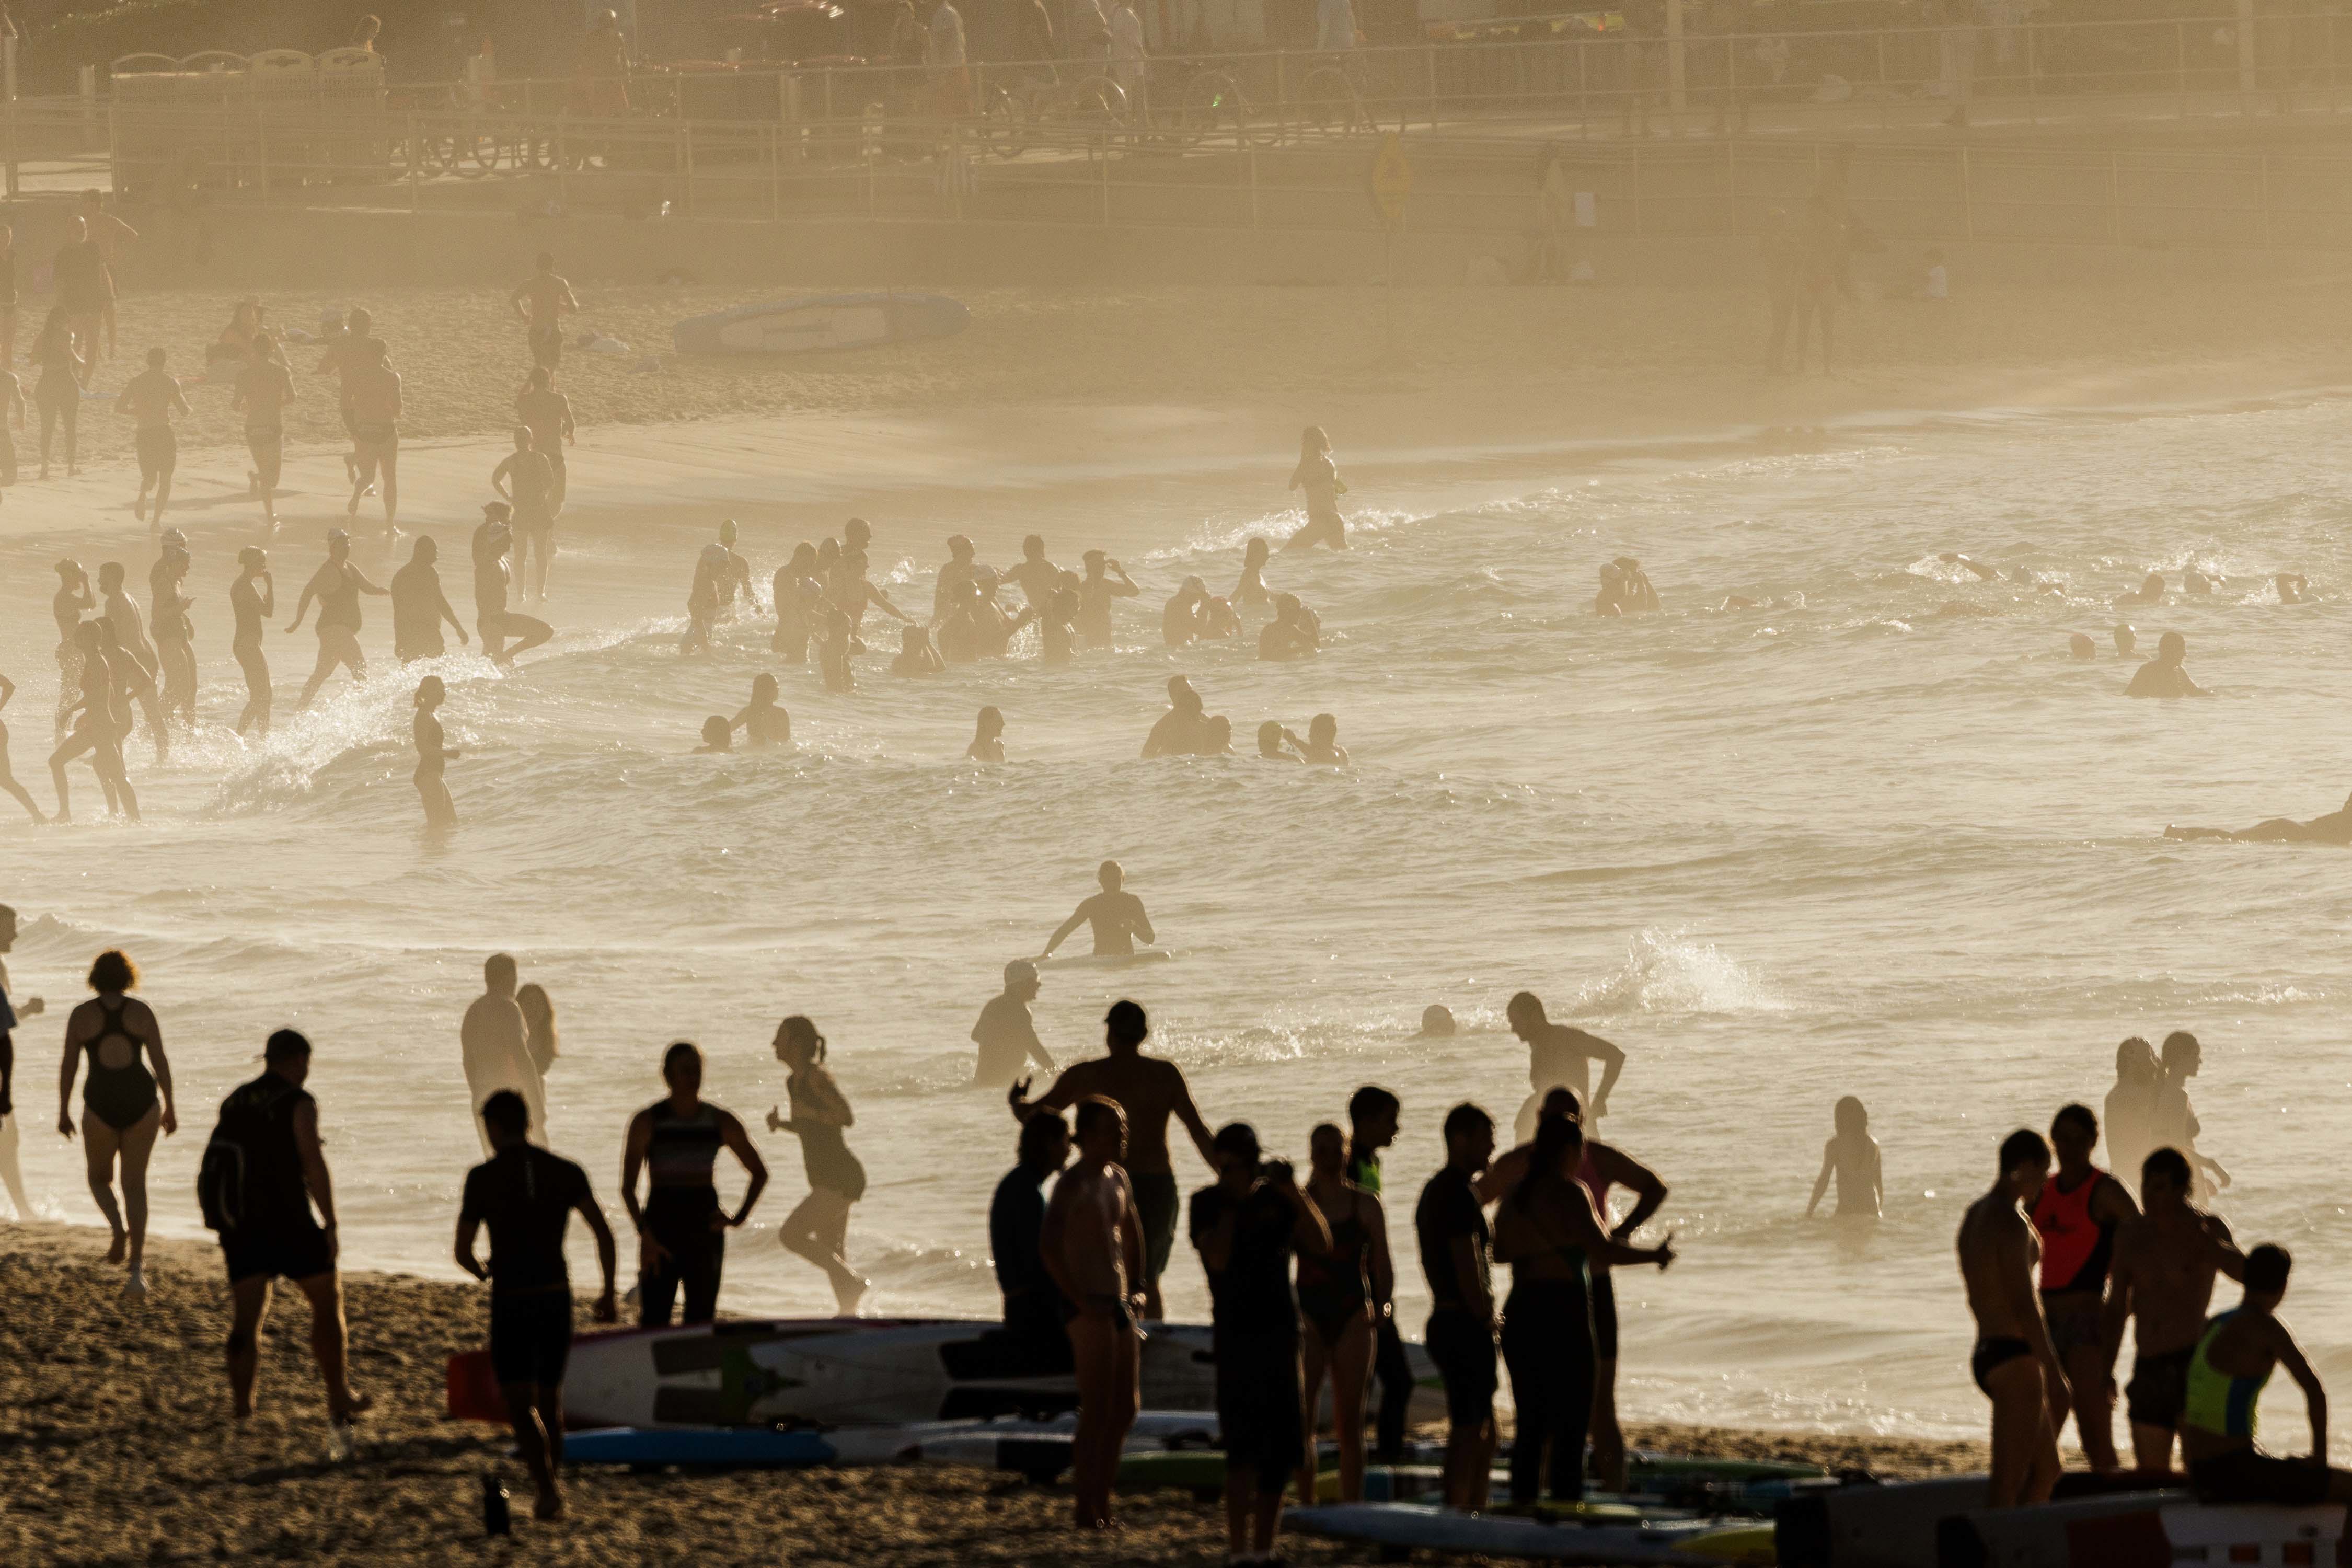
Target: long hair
538,1013
1557,1137
802,1030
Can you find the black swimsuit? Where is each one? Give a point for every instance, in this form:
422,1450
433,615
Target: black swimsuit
118,1096
1331,1288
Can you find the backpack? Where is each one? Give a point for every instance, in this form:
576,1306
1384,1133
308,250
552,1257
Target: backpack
221,1178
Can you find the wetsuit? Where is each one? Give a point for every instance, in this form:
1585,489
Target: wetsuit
119,1089
274,1236
1333,1288
1460,1341
679,1215
2077,1250
1389,1363
526,1195
1548,1342
825,1155
1033,1309
1253,1328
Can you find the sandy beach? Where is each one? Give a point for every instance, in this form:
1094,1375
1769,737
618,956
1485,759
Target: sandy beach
116,1446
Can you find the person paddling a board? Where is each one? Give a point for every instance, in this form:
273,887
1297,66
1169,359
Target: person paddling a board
1116,914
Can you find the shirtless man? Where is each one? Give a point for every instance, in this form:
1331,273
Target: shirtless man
353,349
1116,916
153,396
492,540
525,479
337,585
1177,732
121,615
1105,581
2235,1355
548,413
265,389
2015,1364
494,1041
2162,1281
954,584
2166,675
72,600
2076,1217
1038,577
539,302
85,287
174,632
1149,1090
372,407
1005,1034
419,606
2336,827
1560,1056
1092,1246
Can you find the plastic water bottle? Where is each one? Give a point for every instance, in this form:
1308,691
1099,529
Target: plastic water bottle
496,1518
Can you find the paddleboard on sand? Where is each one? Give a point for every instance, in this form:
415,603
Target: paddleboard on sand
1104,960
1560,1536
821,323
959,1444
1898,1526
2157,1528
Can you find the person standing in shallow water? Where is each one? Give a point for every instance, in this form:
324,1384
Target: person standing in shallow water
252,601
337,585
494,1040
433,755
1852,1156
818,1229
1319,477
419,606
122,1111
1006,1034
1116,914
2162,1284
682,1230
2015,1364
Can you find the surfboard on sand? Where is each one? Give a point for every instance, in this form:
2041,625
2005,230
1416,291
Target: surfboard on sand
1597,1536
820,323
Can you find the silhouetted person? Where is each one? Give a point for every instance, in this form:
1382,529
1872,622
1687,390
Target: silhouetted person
1450,1226
14,1010
433,755
1852,1157
762,719
2078,1215
419,605
817,1229
987,738
1319,478
336,586
525,480
2166,675
372,409
2336,827
494,1040
1005,1034
252,601
681,1228
153,396
2174,1124
122,1111
2014,1362
548,413
2149,592
1178,732
916,657
265,390
539,302
1561,1055
1036,1315
1148,1091
1093,1247
1336,1294
1116,915
2162,1283
2234,1358
526,1197
496,622
2130,1119
1105,581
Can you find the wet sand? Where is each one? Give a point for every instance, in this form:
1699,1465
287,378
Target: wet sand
116,1446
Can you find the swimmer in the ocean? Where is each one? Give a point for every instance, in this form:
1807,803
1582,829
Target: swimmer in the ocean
1006,1034
980,628
1251,589
1216,737
2195,581
1851,1158
796,585
1178,732
432,756
1319,477
1611,600
1180,620
2126,639
1294,633
1116,916
764,722
1437,1022
948,593
2293,588
1038,577
1323,747
2149,592
988,737
717,735
1984,573
1218,619
1057,627
2166,675
1636,595
916,654
2081,646
1105,581
833,638
1560,1056
854,592
9,782
2336,827
703,598
1277,745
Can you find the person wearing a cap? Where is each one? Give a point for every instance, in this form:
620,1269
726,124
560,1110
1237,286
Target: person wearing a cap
269,1233
492,540
337,585
154,397
1006,1035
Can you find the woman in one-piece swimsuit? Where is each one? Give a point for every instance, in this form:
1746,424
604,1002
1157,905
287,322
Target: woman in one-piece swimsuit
121,1109
1335,1293
818,1229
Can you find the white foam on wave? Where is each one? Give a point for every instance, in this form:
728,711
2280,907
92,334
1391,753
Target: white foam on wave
1667,971
1220,536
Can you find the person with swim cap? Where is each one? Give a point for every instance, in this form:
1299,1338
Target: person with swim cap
1560,1056
2336,827
1006,1034
2015,1364
2234,1359
1277,744
1093,1246
2077,1215
337,585
2166,675
2161,1283
419,606
2081,646
1147,1090
1116,915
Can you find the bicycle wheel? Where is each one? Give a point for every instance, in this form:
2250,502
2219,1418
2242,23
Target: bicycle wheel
1327,103
472,155
1002,123
1097,104
1212,106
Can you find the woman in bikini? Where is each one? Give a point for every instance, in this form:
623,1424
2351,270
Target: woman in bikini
1335,1293
122,1112
1318,476
819,1228
1251,590
433,755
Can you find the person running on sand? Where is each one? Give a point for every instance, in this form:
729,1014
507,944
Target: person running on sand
8,784
1147,1090
2162,1283
539,302
1251,590
818,1227
1093,1246
526,481
252,601
153,396
85,291
1852,1156
1116,916
547,413
265,390
175,655
2234,1358
122,1113
527,1197
267,1232
2015,1362
492,619
433,755
1322,747
1180,620
2336,827
494,1042
1178,732
371,408
1560,1056
988,737
13,1011
683,1231
128,631
916,657
350,351
419,605
1336,1291
1106,580
101,718
1319,477
2078,1215
1038,577
57,392
2166,675
1006,1034
337,585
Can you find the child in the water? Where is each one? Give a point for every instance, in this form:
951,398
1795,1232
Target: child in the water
1853,1156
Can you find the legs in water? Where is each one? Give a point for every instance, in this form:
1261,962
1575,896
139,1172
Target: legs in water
817,1230
257,697
8,782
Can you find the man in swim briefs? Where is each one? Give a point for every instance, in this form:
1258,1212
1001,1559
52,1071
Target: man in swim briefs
2162,1283
1148,1091
153,396
539,302
1560,1056
1116,914
2015,1364
1092,1250
2077,1217
2234,1357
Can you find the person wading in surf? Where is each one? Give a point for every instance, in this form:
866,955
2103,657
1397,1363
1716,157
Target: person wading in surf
2077,1215
2162,1283
1092,1245
2015,1364
1560,1056
1116,915
1148,1091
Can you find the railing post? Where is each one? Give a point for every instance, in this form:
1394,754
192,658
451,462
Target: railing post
2267,240
2115,196
1429,55
1882,94
1637,191
2032,93
1255,221
2245,55
261,145
415,170
1968,200
685,137
776,173
2180,64
1731,181
1676,97
1106,179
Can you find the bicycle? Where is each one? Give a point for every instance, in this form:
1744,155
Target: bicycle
1011,122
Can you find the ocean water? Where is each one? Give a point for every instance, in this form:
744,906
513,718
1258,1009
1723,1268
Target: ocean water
1889,839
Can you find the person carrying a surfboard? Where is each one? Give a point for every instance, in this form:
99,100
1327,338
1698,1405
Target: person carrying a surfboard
1148,1091
1094,1247
1116,916
2014,1363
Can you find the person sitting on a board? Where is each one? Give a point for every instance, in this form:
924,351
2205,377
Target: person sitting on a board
2336,827
1116,914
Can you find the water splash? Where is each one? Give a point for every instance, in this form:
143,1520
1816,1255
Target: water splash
1665,972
